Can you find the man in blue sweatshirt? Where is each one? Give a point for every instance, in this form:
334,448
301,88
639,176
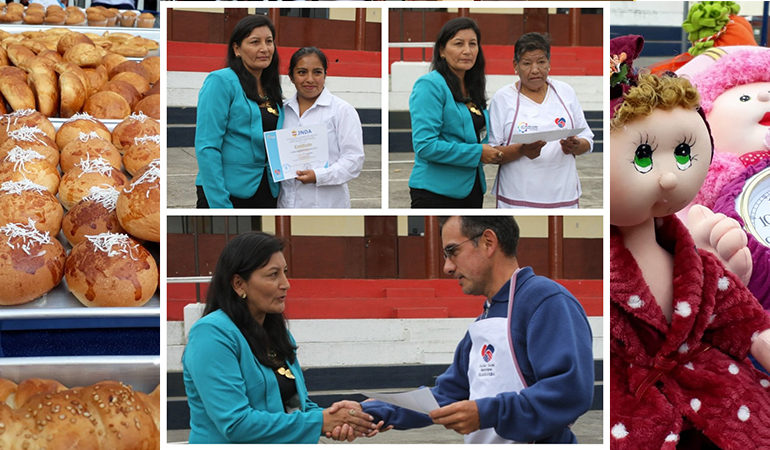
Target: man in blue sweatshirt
524,370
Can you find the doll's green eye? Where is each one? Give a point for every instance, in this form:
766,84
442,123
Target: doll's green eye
682,156
643,158
745,98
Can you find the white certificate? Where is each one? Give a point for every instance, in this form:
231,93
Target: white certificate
547,136
293,149
420,400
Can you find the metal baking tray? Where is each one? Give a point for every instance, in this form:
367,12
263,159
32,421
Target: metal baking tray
140,372
148,33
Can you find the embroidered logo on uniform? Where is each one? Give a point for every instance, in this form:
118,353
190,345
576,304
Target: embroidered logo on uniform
486,352
560,122
522,127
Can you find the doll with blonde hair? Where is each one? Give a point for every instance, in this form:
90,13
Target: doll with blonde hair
682,326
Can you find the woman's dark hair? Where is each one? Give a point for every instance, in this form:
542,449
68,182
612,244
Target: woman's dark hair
475,80
242,256
304,51
529,42
270,80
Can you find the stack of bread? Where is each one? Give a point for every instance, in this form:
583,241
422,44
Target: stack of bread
60,73
96,16
109,214
40,413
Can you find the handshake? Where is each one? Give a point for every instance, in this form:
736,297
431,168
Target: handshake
346,420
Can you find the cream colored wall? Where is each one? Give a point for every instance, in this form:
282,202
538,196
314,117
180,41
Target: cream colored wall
327,226
372,14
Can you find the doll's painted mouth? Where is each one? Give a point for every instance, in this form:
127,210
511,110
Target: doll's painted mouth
765,120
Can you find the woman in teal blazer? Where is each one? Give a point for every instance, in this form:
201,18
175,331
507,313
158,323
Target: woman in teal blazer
450,122
236,105
243,381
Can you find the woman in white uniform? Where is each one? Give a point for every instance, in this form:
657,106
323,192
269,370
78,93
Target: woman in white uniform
321,187
539,174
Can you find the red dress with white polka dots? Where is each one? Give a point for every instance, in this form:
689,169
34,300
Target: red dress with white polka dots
692,373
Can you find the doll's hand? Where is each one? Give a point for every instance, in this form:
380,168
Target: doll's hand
723,237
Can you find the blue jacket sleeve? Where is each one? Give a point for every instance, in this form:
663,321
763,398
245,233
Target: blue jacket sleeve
451,386
213,364
426,106
559,349
213,113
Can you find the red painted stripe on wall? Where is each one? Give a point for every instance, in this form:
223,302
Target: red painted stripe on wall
499,59
382,299
204,57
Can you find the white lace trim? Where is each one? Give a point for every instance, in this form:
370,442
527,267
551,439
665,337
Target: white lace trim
17,187
149,176
107,196
113,244
29,235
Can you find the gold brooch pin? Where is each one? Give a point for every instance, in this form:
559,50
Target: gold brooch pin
286,372
472,107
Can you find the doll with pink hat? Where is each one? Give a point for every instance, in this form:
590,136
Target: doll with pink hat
682,326
734,85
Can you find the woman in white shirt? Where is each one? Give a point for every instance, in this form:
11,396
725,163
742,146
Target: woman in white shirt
539,174
322,187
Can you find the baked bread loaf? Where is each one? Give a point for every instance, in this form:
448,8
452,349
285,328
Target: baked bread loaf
105,415
89,146
73,94
22,200
31,138
152,65
131,127
14,88
77,183
111,269
138,205
25,118
80,123
144,150
107,105
95,214
43,78
31,263
124,89
20,164
149,105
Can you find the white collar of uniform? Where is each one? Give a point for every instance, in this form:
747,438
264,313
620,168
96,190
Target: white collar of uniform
325,99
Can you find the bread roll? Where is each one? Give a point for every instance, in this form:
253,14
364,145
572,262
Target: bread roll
31,138
124,89
97,77
149,105
111,270
128,19
145,20
46,83
73,94
15,90
25,118
131,127
75,16
139,82
106,415
152,65
131,66
107,105
78,182
84,55
20,164
80,123
144,150
130,50
95,214
24,199
138,206
110,60
31,263
89,146
18,53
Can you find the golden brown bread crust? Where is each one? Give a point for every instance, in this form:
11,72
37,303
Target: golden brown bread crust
89,146
7,388
25,118
73,94
131,127
44,79
149,105
84,55
38,170
70,130
144,150
30,264
138,206
106,415
31,138
20,201
100,272
139,82
107,105
152,65
78,182
15,90
125,89
31,387
95,214
97,77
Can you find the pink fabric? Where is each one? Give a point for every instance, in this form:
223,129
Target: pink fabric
735,69
724,167
692,373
